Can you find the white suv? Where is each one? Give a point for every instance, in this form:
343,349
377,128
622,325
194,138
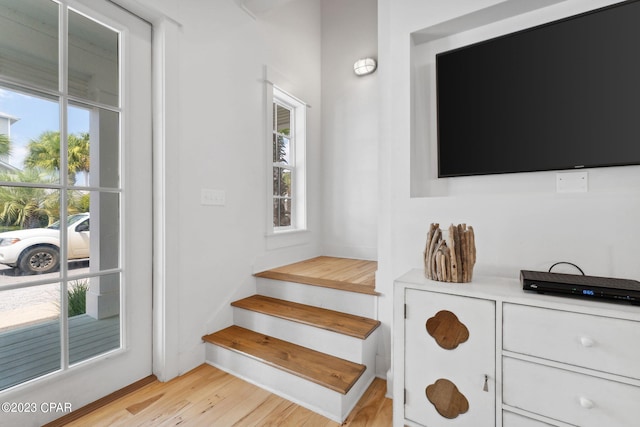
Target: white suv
37,250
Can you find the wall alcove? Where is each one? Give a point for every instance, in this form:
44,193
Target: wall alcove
501,18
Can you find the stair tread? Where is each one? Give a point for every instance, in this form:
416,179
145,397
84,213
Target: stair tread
335,321
323,369
352,275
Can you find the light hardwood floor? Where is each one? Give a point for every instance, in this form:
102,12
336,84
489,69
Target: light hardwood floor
207,396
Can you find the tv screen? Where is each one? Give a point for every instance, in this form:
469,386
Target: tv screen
563,95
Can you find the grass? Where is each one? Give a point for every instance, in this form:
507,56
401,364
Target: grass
78,297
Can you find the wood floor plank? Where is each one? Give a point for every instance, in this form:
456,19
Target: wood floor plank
367,410
191,389
335,321
338,273
198,379
329,371
268,413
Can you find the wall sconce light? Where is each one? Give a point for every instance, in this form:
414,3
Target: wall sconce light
364,66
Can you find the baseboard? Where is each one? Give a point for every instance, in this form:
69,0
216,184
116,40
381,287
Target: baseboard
87,409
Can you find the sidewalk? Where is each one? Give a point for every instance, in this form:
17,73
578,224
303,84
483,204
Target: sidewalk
30,315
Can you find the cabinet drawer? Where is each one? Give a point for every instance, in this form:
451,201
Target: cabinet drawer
568,396
509,419
594,342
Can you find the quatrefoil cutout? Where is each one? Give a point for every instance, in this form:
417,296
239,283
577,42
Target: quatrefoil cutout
447,399
447,330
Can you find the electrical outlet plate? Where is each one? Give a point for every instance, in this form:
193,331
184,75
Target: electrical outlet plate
211,197
572,182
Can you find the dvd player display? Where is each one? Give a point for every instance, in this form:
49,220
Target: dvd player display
591,287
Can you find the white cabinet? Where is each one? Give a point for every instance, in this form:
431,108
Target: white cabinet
465,365
548,360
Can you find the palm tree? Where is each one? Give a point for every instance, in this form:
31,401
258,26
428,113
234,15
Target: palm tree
5,145
44,153
79,159
27,207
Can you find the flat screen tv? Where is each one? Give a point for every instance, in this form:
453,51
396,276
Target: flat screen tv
562,95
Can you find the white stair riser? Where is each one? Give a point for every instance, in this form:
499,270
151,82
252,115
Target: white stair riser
333,299
314,397
335,344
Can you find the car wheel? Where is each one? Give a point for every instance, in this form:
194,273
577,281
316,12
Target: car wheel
40,259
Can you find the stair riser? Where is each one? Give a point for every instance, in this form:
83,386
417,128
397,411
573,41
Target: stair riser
335,344
314,397
347,302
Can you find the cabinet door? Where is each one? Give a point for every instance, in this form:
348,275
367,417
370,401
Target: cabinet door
463,364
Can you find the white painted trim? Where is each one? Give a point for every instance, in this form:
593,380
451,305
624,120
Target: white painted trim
165,292
165,51
296,234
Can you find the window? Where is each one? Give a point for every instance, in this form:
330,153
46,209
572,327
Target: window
288,162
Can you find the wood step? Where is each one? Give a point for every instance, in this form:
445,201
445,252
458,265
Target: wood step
328,371
352,275
335,321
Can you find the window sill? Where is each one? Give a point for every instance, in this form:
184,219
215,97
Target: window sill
286,238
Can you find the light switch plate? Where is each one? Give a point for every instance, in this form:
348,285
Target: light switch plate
572,182
211,197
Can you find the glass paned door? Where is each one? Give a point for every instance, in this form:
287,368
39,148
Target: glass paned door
71,111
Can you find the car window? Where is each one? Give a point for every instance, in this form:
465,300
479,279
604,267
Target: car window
83,226
70,220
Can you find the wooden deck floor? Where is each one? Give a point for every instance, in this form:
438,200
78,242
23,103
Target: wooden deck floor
208,396
33,351
347,274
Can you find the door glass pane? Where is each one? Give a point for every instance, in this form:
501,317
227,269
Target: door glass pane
93,60
78,144
29,137
105,224
30,235
29,333
94,146
93,234
104,150
78,235
29,42
94,316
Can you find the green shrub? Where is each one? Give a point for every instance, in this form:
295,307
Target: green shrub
77,293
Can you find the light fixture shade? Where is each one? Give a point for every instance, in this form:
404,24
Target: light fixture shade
364,66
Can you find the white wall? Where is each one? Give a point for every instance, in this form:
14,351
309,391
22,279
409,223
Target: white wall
216,57
520,220
223,146
349,129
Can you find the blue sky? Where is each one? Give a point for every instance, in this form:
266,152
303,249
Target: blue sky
36,115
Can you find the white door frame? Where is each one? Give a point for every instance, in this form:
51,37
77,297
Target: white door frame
166,220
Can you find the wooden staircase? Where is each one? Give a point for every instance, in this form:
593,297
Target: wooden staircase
308,335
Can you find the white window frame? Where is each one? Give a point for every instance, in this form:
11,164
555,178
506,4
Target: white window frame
297,150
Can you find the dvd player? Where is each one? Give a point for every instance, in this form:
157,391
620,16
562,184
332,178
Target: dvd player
591,287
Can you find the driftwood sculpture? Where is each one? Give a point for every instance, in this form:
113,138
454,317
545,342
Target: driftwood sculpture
450,260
